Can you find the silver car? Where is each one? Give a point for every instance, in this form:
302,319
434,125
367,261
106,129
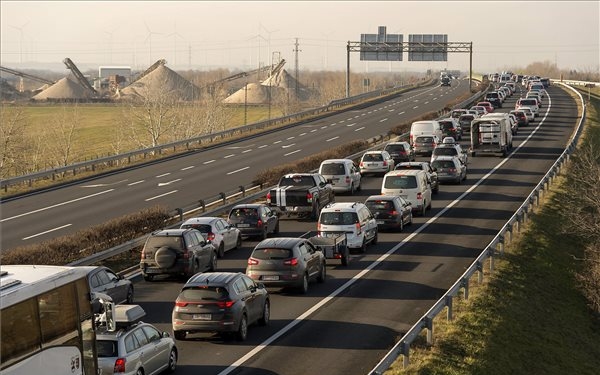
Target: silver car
450,169
136,348
218,231
103,279
376,162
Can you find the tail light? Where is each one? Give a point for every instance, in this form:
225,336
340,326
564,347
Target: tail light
186,254
309,197
403,152
269,197
119,365
181,304
291,262
348,179
358,229
393,212
385,163
252,261
210,236
225,304
452,170
419,196
318,226
259,223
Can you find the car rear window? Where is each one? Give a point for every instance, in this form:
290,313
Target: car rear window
372,157
333,169
379,205
243,213
272,253
173,242
450,151
297,181
394,148
203,228
446,125
424,140
400,182
528,102
199,293
442,164
338,218
107,348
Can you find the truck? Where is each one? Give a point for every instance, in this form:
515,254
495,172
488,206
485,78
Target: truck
301,194
491,136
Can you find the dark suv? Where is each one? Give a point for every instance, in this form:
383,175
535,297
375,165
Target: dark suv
224,302
494,98
180,252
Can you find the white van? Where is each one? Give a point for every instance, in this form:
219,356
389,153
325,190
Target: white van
352,218
343,173
431,127
412,185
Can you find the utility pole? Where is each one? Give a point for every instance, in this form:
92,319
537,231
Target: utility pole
297,69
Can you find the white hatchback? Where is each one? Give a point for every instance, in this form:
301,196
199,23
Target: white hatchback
352,218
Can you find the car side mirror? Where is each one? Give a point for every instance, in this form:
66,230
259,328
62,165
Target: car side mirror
260,285
166,335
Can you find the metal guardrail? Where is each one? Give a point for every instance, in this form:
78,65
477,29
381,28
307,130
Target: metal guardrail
497,245
188,144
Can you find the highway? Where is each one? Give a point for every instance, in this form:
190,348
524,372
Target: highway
180,181
347,324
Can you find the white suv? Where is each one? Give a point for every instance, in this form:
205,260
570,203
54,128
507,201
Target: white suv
352,218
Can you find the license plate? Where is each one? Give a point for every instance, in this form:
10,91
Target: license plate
153,270
380,221
201,317
270,278
243,225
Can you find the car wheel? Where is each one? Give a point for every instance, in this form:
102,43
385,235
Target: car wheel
179,335
266,315
315,212
410,219
401,228
238,242
375,238
213,263
322,273
345,258
304,285
264,234
242,332
363,247
352,188
221,252
129,299
165,257
139,371
276,230
148,277
172,361
424,209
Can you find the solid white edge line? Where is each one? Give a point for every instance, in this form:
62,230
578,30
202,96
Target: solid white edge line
48,231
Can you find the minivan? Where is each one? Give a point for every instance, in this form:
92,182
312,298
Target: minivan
412,185
431,127
343,173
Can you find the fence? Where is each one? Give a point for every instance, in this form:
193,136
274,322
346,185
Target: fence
496,246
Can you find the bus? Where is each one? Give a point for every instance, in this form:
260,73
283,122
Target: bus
47,320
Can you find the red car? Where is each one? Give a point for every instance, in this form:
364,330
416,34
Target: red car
488,106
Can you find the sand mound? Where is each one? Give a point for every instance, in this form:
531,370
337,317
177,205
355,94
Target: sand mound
65,88
162,81
282,85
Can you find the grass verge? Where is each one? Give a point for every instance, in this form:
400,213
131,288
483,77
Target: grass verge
530,317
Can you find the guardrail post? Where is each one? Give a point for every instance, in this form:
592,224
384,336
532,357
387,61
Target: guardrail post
479,272
449,306
500,244
202,204
491,250
242,190
509,229
405,354
223,197
465,284
180,213
429,327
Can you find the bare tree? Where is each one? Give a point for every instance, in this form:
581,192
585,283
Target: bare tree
60,136
12,140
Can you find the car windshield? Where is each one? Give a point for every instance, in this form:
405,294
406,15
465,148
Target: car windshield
107,348
297,181
272,253
400,182
203,228
338,218
372,157
333,169
199,293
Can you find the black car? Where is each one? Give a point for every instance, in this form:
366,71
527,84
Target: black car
494,98
400,151
390,211
180,252
450,128
254,219
223,302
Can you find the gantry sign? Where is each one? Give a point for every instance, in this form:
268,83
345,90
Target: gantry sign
420,47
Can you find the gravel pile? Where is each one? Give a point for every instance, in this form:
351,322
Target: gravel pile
163,81
282,84
65,88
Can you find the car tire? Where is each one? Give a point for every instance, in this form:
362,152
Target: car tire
265,234
424,209
148,277
410,221
266,315
304,285
139,371
242,332
375,238
221,251
276,230
352,188
322,273
129,298
316,210
213,263
179,335
401,228
238,242
345,258
363,247
165,257
172,366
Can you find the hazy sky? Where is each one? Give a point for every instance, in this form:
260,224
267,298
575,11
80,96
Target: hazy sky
206,35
